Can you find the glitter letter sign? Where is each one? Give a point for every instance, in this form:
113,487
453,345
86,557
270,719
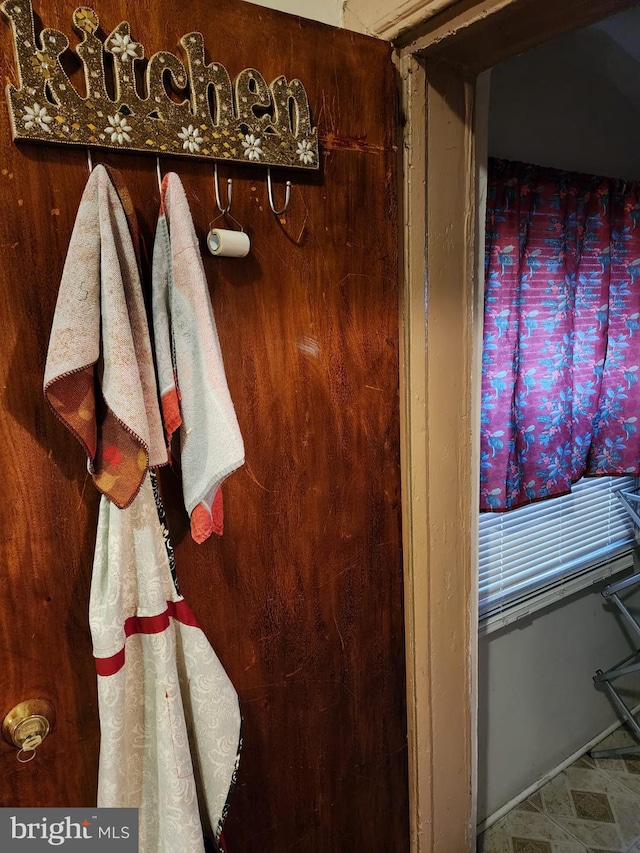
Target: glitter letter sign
245,121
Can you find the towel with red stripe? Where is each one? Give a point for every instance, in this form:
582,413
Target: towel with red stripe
169,715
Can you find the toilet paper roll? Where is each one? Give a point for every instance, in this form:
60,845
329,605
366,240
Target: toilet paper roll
228,244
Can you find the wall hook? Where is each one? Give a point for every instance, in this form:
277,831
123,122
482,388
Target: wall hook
287,195
159,175
216,184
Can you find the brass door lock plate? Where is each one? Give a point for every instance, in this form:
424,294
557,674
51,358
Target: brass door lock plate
28,724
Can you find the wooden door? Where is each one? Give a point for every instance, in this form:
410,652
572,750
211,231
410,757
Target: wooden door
302,596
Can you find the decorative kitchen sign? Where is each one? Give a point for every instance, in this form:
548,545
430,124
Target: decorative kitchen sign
247,121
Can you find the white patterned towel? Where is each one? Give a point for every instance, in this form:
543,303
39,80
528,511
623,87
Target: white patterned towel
169,715
193,386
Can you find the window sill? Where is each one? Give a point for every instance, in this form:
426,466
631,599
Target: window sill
520,610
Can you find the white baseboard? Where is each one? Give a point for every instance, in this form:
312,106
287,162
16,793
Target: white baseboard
532,789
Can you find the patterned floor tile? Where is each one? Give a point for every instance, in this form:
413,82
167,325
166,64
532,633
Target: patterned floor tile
593,807
531,805
624,769
527,830
620,737
624,772
535,800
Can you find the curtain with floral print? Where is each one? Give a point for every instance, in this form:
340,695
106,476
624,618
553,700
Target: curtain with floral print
561,347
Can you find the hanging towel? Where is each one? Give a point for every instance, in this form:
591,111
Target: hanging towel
99,376
193,387
169,715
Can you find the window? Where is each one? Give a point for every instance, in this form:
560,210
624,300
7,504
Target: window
550,546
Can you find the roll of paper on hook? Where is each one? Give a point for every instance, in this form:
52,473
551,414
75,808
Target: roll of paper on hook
228,244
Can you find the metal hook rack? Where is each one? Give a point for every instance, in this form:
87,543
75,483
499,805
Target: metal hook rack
225,210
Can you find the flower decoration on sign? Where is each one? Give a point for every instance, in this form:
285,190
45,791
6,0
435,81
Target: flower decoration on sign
122,44
251,146
305,152
190,106
37,116
119,129
191,138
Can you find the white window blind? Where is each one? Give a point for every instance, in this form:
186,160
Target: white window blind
530,549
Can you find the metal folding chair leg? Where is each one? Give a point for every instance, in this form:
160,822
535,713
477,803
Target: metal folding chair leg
631,664
626,713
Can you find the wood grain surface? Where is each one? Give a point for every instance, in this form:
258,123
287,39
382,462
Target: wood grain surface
302,596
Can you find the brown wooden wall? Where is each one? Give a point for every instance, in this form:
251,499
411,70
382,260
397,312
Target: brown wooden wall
302,597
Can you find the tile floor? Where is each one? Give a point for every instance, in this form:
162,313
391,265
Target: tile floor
591,807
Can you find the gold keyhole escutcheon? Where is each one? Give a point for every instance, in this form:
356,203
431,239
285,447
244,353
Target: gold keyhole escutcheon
28,724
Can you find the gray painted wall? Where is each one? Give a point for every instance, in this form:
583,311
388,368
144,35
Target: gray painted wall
537,701
573,103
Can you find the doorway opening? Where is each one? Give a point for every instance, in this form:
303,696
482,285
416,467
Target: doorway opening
562,120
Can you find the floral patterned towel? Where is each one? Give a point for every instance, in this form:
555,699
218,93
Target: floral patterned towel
193,387
169,715
99,376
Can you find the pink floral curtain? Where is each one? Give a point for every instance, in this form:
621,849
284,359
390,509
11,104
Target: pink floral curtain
561,351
